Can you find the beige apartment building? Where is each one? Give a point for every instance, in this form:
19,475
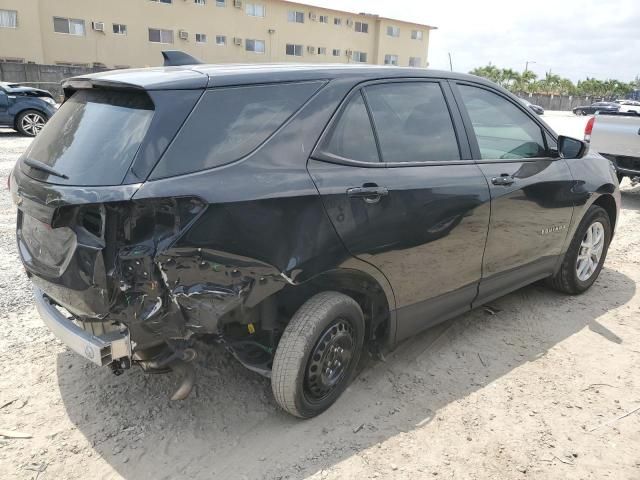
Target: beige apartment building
132,33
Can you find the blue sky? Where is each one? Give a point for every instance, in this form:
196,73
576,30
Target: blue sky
571,38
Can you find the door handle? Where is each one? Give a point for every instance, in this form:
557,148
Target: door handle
370,193
503,180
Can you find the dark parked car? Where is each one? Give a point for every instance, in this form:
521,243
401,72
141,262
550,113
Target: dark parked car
596,107
296,214
25,109
536,108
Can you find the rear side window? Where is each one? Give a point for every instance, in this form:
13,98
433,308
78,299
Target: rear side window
229,123
503,130
412,122
352,137
93,137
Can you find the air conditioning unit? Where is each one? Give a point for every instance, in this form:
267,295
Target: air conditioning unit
183,34
237,3
311,49
98,26
313,16
349,22
237,41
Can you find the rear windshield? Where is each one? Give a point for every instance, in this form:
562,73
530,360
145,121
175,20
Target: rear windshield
93,137
229,123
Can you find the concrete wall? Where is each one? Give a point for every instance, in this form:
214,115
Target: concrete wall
47,77
35,40
559,102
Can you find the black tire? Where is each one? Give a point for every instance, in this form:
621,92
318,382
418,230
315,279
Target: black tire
324,324
32,129
567,280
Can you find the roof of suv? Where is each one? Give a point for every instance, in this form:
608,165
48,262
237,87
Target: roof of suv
202,76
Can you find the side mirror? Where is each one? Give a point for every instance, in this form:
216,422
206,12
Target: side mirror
571,147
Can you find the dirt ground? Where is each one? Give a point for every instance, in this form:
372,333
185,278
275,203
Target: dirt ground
537,388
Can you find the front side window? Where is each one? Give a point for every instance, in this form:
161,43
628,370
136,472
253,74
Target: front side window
393,31
351,137
502,129
391,59
295,17
229,123
119,29
362,27
158,35
255,46
413,122
255,10
70,26
294,50
8,19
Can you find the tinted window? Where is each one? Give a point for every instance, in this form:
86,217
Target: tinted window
413,122
94,136
502,129
229,123
352,136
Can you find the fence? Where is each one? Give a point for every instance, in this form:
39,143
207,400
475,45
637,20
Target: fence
47,77
558,102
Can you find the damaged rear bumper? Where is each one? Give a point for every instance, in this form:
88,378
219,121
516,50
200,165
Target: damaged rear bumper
101,350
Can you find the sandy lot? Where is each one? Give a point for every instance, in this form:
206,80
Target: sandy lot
540,389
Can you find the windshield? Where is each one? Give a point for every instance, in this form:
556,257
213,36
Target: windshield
93,137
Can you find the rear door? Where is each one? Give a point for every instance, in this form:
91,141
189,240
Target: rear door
397,180
531,202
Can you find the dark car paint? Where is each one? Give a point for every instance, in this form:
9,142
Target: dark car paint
593,108
263,227
16,99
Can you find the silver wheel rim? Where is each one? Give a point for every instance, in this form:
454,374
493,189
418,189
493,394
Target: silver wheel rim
590,251
32,123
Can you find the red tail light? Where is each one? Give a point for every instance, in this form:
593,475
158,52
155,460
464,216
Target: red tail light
588,129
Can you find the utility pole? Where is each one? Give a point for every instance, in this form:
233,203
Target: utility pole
526,66
450,62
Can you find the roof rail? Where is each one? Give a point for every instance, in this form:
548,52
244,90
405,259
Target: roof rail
175,58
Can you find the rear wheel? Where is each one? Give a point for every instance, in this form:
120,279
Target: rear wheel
586,254
318,354
30,123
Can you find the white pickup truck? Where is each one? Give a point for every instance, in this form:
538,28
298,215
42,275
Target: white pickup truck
617,137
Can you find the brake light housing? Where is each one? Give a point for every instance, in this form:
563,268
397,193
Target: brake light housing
588,129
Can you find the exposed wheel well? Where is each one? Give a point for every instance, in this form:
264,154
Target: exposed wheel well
609,204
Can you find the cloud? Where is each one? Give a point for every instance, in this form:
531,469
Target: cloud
573,38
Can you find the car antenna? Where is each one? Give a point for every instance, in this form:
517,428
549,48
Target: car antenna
175,58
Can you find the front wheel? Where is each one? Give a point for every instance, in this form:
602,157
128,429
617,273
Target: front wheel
586,254
30,123
318,354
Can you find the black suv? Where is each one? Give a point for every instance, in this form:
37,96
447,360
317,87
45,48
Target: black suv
296,214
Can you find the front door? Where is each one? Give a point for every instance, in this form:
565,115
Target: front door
405,196
531,203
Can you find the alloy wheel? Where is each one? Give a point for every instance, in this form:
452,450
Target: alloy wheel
32,123
590,252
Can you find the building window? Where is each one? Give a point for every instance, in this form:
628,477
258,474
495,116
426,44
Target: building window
221,3
221,40
295,17
323,18
415,62
255,46
336,52
200,2
416,34
162,1
393,31
294,50
157,35
337,21
322,50
390,59
360,57
119,29
362,27
8,19
70,26
201,38
255,10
